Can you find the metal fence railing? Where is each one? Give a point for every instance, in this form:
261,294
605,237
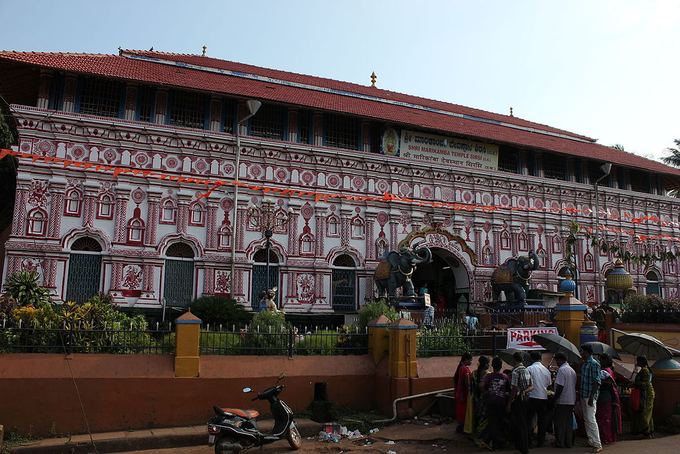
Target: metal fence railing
293,342
651,316
454,340
77,339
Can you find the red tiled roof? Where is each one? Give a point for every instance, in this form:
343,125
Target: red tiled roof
362,101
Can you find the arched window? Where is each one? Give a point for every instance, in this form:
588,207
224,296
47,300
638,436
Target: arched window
588,261
653,287
357,228
259,279
84,270
343,284
37,222
557,244
197,214
168,211
178,286
505,240
73,202
224,236
307,244
333,226
105,206
523,243
135,229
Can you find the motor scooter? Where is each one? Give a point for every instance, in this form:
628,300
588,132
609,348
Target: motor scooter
233,430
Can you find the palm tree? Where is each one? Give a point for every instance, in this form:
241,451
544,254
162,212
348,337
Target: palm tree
673,159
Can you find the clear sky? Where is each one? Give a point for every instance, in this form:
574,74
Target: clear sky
607,69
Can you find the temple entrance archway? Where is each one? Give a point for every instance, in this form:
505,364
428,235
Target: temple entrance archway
447,281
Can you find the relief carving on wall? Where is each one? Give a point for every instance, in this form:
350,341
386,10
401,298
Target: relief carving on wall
132,280
305,287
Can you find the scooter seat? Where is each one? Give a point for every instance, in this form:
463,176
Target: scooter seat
248,414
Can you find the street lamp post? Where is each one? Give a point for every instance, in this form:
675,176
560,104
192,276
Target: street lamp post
606,168
268,219
253,107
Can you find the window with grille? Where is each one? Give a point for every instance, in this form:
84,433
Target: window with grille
333,226
57,92
342,132
168,212
229,115
188,109
224,236
270,122
101,97
508,160
84,270
136,230
554,167
640,181
197,214
307,244
531,162
178,286
343,284
653,283
595,173
305,126
505,240
146,96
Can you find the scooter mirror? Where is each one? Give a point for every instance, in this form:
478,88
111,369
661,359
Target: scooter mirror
282,376
247,390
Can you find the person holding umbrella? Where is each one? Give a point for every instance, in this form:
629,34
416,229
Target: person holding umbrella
641,421
520,387
589,392
565,398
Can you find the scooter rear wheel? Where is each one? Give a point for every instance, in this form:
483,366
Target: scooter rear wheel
294,438
225,451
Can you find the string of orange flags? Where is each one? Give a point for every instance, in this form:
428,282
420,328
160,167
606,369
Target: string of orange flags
211,185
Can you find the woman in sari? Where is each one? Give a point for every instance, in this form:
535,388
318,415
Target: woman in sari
474,415
461,380
641,420
608,415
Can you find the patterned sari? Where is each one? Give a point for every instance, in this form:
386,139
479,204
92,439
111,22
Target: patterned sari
608,414
641,420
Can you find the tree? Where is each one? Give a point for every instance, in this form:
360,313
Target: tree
673,159
8,167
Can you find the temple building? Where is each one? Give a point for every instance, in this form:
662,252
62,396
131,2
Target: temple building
155,177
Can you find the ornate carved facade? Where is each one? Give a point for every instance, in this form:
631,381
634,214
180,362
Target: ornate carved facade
153,241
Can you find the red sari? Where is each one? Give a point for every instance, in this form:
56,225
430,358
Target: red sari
608,413
462,393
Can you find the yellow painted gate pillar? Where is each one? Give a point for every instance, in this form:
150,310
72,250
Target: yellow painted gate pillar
188,332
402,359
377,338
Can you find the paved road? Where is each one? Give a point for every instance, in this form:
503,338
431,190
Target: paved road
420,439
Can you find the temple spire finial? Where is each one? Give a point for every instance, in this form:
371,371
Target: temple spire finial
204,49
373,78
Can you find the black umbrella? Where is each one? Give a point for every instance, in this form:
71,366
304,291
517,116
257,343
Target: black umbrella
554,344
642,344
600,348
506,355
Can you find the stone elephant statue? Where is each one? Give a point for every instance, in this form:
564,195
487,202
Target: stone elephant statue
396,271
514,277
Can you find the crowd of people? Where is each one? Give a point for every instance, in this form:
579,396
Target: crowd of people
523,404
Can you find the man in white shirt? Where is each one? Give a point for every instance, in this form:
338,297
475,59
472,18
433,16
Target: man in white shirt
565,398
538,398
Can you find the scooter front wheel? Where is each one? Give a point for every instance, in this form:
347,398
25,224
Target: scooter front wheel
294,438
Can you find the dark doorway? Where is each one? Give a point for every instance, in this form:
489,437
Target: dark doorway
447,282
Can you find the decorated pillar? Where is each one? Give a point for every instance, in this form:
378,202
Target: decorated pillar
161,110
570,313
131,102
188,332
402,349
70,86
216,115
152,219
120,219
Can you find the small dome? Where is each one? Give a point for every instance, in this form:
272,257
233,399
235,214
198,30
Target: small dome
567,285
666,364
618,278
